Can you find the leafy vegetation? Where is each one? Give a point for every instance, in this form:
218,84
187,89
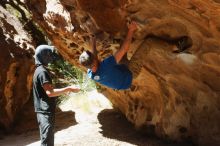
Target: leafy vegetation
65,74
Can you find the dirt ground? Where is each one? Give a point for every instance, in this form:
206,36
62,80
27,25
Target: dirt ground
88,121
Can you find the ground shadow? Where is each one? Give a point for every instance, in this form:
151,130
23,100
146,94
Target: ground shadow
64,120
26,127
116,126
27,120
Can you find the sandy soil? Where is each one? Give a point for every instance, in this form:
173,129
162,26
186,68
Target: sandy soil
88,121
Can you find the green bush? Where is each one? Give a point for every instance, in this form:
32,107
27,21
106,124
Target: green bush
65,74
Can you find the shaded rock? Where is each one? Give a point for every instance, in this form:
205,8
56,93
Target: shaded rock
16,68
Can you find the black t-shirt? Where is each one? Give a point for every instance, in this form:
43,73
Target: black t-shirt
42,103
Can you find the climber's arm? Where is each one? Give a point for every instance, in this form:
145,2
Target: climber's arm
93,45
94,52
126,44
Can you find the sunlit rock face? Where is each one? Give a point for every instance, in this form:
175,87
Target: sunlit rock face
174,57
16,65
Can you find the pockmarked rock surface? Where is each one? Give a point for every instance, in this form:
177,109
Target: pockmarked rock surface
15,68
174,57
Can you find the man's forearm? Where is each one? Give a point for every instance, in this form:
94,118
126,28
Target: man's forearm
57,92
51,92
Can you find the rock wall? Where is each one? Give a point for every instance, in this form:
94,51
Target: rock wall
175,58
15,69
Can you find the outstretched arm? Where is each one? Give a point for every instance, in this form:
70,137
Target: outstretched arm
93,45
51,92
94,52
126,44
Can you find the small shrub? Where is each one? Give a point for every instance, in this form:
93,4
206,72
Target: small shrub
65,74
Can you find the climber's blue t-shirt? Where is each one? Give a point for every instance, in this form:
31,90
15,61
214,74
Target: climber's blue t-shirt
111,74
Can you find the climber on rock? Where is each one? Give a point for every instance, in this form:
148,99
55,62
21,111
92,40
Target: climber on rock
110,72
